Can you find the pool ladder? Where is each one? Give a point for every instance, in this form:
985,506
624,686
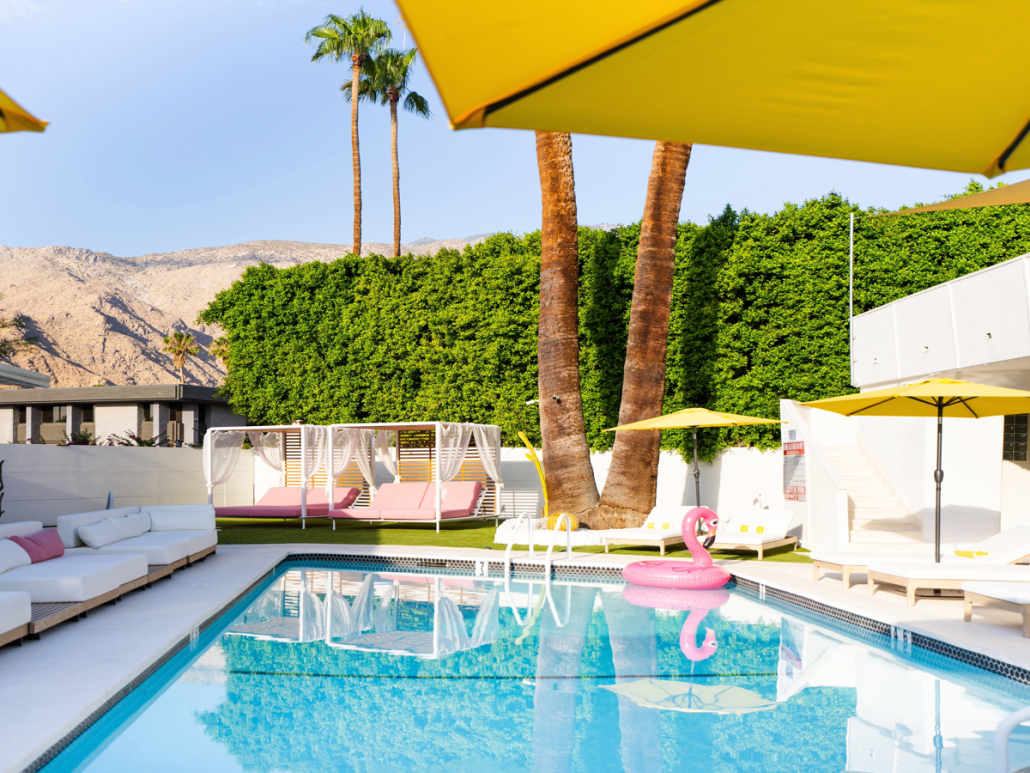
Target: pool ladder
548,559
1001,739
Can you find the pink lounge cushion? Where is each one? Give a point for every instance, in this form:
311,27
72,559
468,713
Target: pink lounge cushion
462,496
233,512
343,497
41,546
357,513
421,515
399,496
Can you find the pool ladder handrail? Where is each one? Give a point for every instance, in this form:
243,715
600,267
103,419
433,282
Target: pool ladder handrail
511,542
1001,738
529,603
564,517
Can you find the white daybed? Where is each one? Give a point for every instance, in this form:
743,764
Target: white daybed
945,576
15,615
68,586
1007,547
169,536
754,530
661,529
1010,595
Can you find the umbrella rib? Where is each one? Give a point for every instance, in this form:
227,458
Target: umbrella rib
502,103
1004,157
874,405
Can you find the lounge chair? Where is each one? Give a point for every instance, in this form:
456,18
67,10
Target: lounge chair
416,501
15,615
1010,595
66,587
284,502
754,530
170,536
949,575
660,529
1007,547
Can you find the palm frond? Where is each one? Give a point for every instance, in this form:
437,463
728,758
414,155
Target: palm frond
417,104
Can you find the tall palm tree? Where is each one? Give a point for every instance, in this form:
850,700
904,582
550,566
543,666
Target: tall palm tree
181,346
570,478
629,489
385,80
219,349
356,37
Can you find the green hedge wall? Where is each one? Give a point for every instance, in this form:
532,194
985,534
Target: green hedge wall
759,313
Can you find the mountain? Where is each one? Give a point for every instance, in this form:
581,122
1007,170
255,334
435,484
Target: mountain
100,318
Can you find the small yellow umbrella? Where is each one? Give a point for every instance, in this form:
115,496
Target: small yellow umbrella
938,397
691,698
15,118
1017,193
692,418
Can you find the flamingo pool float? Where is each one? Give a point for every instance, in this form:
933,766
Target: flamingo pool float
698,575
698,602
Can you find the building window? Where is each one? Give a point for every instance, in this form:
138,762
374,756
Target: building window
60,414
87,414
148,412
1014,444
21,414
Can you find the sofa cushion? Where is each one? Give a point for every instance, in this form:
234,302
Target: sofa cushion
60,580
399,496
130,567
20,529
12,555
99,534
198,539
160,547
461,495
41,546
179,517
15,610
68,524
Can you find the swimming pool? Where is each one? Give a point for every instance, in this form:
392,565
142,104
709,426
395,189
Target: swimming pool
327,667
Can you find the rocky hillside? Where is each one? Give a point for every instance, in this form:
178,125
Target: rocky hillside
100,318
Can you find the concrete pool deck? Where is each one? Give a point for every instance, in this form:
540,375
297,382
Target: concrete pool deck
51,686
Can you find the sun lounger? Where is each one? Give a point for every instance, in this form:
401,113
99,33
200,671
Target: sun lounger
754,530
284,502
940,577
660,529
416,501
15,614
1009,595
66,587
1007,547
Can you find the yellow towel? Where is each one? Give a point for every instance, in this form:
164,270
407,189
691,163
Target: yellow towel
653,525
973,553
743,529
760,530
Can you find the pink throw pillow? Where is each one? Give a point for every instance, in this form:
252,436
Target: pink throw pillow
41,546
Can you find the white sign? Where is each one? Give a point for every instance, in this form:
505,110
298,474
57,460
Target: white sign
794,471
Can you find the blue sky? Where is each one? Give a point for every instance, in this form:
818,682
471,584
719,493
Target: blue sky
199,123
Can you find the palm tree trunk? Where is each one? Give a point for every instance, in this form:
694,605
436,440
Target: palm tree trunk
629,490
355,155
396,181
570,478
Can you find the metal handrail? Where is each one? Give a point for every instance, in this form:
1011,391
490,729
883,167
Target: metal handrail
511,541
1001,738
554,535
554,610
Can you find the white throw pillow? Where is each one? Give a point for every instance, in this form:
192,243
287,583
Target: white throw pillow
12,556
128,526
99,534
144,520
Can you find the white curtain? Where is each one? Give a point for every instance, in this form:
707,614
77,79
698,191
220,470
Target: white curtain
312,617
221,454
342,451
450,627
316,441
384,622
454,444
347,621
488,444
383,438
487,619
363,441
269,448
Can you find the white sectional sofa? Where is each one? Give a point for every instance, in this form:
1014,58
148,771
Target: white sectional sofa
68,586
15,614
170,536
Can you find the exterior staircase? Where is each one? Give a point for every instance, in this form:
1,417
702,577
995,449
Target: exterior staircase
877,517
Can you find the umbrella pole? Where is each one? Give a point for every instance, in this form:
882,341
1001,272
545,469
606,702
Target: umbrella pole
938,476
697,474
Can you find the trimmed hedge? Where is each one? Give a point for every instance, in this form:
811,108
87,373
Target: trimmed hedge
759,313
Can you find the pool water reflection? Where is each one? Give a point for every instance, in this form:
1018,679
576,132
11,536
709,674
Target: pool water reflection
358,671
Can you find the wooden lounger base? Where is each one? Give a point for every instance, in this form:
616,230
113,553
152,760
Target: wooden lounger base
14,635
661,544
760,549
157,571
844,569
46,616
976,598
910,586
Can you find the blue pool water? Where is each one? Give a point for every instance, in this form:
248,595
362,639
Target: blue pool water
325,670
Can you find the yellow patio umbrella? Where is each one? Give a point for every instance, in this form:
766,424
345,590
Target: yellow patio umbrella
691,698
1017,193
888,81
692,418
934,397
15,118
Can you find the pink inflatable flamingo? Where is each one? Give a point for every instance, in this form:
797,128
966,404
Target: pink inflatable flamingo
698,575
698,602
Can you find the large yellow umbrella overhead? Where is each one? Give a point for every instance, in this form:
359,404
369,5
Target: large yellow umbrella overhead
888,81
1017,193
692,418
691,698
15,118
934,397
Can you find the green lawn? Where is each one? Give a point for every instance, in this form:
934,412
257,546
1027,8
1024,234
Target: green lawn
470,534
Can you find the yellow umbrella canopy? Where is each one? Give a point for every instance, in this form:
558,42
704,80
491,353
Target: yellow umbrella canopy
15,118
1017,193
691,698
935,397
888,81
692,418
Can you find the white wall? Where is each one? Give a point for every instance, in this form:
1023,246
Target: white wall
117,419
8,425
43,482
